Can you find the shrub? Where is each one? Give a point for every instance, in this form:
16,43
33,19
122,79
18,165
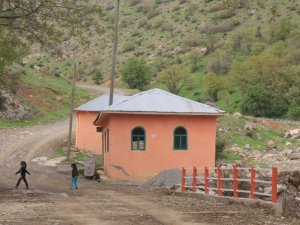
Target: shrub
294,111
97,76
142,22
219,28
193,40
128,46
136,73
133,2
219,65
220,144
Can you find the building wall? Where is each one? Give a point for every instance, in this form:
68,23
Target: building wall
87,139
159,154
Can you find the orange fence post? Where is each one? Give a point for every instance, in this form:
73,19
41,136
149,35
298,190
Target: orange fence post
274,184
235,181
206,174
252,184
219,181
183,179
194,178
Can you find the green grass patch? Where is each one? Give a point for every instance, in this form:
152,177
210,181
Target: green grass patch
229,157
60,152
45,90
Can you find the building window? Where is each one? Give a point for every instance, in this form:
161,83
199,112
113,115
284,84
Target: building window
180,141
138,139
107,139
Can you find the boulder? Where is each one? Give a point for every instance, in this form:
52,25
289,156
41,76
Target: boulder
271,145
295,178
294,156
249,127
237,114
280,188
293,133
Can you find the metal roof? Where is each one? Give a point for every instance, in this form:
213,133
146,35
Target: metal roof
100,103
159,101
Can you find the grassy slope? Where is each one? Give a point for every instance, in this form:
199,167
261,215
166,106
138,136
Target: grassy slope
41,93
150,37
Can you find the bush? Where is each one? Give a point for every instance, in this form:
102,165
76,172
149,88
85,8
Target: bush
257,102
133,2
219,65
97,76
294,111
142,22
128,46
220,144
136,73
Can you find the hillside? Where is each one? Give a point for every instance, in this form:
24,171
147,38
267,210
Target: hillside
210,38
42,98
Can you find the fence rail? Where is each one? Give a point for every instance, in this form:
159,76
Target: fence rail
195,176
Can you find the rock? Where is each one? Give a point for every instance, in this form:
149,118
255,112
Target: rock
280,188
295,178
12,109
37,68
288,143
249,127
271,145
237,114
293,133
294,156
58,98
268,156
247,146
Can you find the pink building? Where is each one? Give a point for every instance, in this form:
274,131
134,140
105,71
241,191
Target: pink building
155,130
87,139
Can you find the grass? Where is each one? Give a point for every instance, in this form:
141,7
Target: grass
258,138
229,157
43,91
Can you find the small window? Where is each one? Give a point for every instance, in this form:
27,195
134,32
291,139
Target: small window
180,139
138,139
107,141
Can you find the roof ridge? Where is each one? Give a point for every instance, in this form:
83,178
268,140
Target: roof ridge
89,102
131,97
97,99
183,98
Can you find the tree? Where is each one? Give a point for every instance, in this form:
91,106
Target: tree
213,84
136,73
97,76
257,102
210,42
268,70
47,22
174,78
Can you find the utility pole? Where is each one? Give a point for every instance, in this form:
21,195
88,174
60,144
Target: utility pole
71,112
114,56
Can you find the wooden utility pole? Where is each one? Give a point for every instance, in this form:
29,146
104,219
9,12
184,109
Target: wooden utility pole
71,112
114,56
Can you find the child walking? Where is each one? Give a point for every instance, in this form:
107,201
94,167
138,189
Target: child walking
74,176
23,172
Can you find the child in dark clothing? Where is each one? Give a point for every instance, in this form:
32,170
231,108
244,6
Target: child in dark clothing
74,176
23,172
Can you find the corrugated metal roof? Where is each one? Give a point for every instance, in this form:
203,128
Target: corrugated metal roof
100,103
159,101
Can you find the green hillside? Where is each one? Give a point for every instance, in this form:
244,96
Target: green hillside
215,40
47,95
240,55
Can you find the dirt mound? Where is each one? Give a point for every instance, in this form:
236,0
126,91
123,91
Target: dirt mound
166,178
290,198
12,109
